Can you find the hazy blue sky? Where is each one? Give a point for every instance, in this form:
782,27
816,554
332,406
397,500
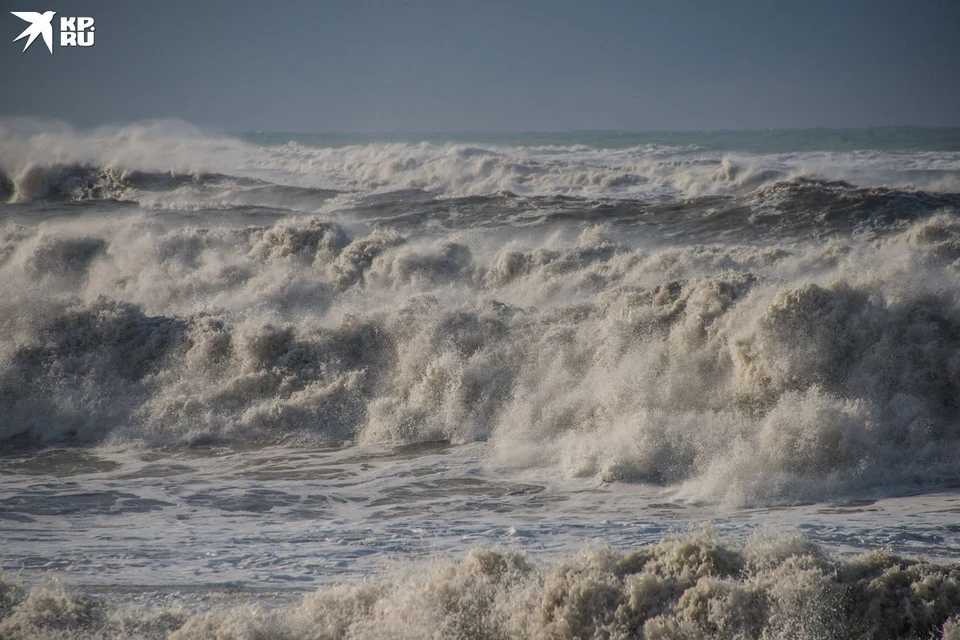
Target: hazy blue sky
446,65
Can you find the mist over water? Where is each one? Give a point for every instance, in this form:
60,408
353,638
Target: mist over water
733,320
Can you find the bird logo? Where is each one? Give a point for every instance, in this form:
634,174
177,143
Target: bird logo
39,26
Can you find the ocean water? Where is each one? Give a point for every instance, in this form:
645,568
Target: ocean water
585,385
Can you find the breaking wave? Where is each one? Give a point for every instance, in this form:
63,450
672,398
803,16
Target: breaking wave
78,183
771,587
799,208
734,372
748,328
44,159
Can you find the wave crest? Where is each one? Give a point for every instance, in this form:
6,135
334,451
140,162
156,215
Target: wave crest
54,161
733,372
696,587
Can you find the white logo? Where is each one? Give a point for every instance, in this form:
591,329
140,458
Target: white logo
76,31
39,25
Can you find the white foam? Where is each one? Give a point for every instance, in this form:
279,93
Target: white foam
28,149
739,373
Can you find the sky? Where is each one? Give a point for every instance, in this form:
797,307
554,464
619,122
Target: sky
492,65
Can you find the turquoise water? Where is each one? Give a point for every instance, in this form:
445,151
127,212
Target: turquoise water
762,141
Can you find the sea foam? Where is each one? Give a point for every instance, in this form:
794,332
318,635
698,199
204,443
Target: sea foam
737,372
699,587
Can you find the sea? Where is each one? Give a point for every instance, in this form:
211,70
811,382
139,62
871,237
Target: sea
605,384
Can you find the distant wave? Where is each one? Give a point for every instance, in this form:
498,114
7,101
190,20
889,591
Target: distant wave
738,372
799,207
30,155
85,183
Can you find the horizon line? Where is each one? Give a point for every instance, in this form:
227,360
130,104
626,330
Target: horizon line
594,131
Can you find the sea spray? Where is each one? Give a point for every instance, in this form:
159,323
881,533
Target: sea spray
742,373
695,587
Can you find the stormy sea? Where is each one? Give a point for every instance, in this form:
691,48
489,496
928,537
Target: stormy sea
483,386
